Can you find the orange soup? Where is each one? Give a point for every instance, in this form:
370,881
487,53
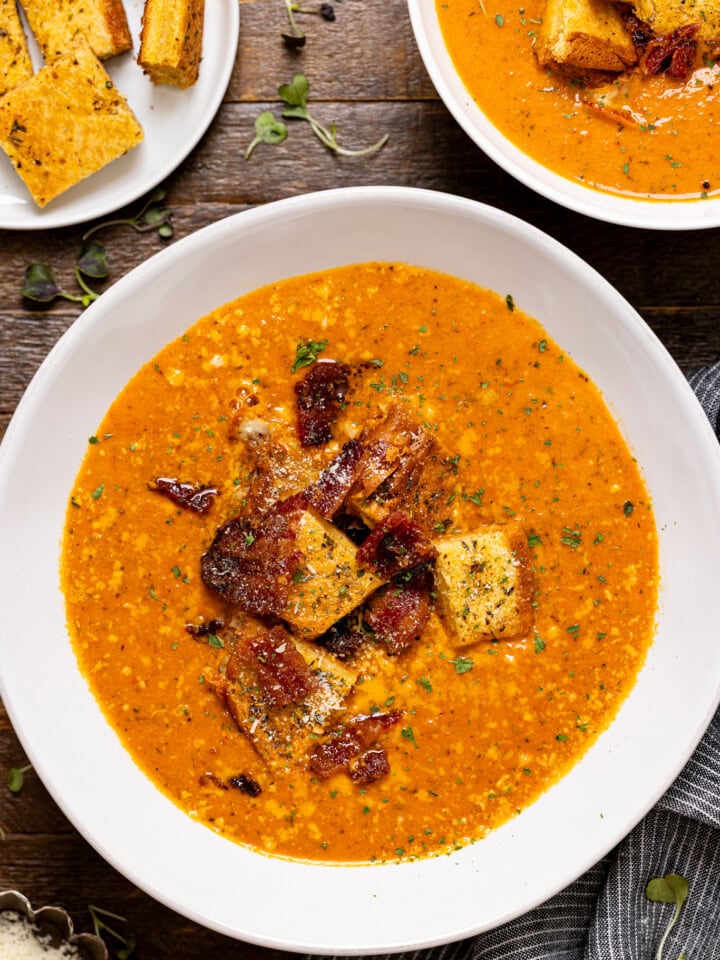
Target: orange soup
647,137
360,565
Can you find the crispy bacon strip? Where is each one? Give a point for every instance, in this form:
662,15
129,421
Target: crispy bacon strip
246,784
336,480
277,666
251,561
189,495
395,545
355,751
673,54
319,396
398,613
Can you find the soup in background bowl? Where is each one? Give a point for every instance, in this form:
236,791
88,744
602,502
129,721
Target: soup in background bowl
626,147
532,280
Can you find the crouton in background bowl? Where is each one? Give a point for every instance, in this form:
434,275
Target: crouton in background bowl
601,107
354,907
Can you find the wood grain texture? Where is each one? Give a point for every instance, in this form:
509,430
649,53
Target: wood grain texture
366,73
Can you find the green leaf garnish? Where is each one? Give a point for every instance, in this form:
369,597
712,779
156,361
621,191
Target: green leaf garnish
267,130
672,888
16,778
463,664
307,352
40,283
92,261
153,215
294,95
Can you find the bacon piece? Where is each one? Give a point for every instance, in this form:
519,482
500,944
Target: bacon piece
395,545
251,562
355,749
319,396
336,480
673,54
189,495
281,670
398,613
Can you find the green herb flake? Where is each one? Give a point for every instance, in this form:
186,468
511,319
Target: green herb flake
539,643
509,302
628,508
307,352
500,21
463,664
98,492
408,734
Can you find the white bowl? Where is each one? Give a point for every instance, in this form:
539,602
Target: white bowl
359,909
653,214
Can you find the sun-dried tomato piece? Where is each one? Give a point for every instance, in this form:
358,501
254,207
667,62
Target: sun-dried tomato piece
205,627
319,396
399,612
336,480
343,639
246,784
192,496
282,672
395,545
673,54
333,755
251,560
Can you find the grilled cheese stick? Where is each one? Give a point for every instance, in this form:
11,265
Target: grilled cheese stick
15,63
585,34
65,123
57,23
171,41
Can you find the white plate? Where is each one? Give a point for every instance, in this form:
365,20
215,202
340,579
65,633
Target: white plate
173,121
358,909
652,214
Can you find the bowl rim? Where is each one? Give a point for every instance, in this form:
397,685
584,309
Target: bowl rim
609,207
222,233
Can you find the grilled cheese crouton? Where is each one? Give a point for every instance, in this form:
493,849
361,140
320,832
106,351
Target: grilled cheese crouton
330,584
484,582
15,63
171,41
283,733
664,16
56,24
65,123
586,35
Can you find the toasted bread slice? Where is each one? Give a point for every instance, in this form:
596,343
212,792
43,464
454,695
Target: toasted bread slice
664,16
330,584
283,734
484,585
586,35
15,63
171,41
56,24
65,123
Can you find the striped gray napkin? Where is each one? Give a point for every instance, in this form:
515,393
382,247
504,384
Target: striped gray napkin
605,915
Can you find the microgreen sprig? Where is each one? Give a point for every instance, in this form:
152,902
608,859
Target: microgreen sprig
267,130
16,778
294,95
296,38
101,927
41,285
672,888
153,215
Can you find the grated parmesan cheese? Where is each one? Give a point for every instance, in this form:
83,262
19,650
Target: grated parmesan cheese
22,940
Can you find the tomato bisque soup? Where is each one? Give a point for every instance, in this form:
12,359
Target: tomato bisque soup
638,136
360,565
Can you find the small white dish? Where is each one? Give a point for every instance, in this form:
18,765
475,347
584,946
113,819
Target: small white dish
651,214
350,910
173,121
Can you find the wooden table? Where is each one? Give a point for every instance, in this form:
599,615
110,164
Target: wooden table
365,72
